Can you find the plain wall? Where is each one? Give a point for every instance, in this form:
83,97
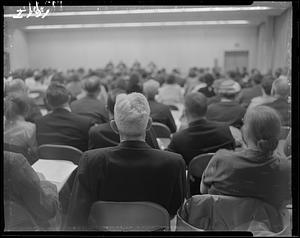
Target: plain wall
168,47
283,39
15,42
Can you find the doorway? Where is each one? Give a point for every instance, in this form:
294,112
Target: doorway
234,60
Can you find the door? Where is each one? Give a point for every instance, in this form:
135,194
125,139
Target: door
234,60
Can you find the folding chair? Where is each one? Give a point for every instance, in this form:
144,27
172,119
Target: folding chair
163,134
173,107
226,213
17,218
128,216
59,152
195,171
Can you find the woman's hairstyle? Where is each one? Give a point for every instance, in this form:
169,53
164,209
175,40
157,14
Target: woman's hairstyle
14,106
263,125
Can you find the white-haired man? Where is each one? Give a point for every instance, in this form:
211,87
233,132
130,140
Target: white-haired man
131,171
281,91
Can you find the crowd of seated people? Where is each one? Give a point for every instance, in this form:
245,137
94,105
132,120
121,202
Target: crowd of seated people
107,114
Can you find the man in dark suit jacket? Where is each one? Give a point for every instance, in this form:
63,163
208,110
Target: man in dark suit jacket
131,171
61,126
159,112
101,136
89,105
201,136
281,91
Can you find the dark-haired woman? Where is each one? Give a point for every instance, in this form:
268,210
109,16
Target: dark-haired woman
254,171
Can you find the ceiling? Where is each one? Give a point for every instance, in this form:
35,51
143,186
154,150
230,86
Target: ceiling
255,17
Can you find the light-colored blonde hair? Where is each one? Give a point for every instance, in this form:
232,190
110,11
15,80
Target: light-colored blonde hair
263,125
131,114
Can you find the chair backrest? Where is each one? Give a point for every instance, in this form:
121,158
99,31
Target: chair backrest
59,152
284,132
219,212
17,218
173,107
128,216
195,170
161,130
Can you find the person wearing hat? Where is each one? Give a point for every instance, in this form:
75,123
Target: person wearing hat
227,110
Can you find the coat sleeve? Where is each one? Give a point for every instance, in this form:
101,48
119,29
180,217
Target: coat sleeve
81,198
39,197
179,191
170,121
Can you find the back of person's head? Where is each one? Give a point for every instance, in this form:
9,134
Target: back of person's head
208,79
131,114
58,78
15,86
92,84
281,87
150,88
111,98
57,95
195,104
228,88
15,106
262,126
266,84
171,79
256,78
133,83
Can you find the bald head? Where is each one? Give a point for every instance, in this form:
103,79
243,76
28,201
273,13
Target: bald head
281,87
132,113
150,88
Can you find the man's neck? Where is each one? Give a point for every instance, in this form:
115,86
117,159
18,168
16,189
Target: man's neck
132,138
193,119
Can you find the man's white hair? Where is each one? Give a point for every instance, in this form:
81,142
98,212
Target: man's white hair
131,113
281,86
150,88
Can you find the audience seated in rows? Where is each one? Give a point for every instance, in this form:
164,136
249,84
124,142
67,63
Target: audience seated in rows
170,93
89,106
17,131
23,186
201,136
254,171
131,171
61,126
266,97
101,136
158,111
246,94
227,110
18,87
281,91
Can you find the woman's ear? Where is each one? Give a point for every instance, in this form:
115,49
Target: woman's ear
113,126
149,124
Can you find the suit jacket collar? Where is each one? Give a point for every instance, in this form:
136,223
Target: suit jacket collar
198,122
134,144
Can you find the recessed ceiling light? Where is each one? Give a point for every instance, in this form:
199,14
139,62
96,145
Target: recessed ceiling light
157,10
137,24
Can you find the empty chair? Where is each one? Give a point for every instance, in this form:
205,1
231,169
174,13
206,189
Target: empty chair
284,132
59,152
228,213
195,171
128,216
17,218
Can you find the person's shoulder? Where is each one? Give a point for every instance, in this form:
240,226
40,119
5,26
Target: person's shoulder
98,155
99,128
224,154
15,160
167,156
